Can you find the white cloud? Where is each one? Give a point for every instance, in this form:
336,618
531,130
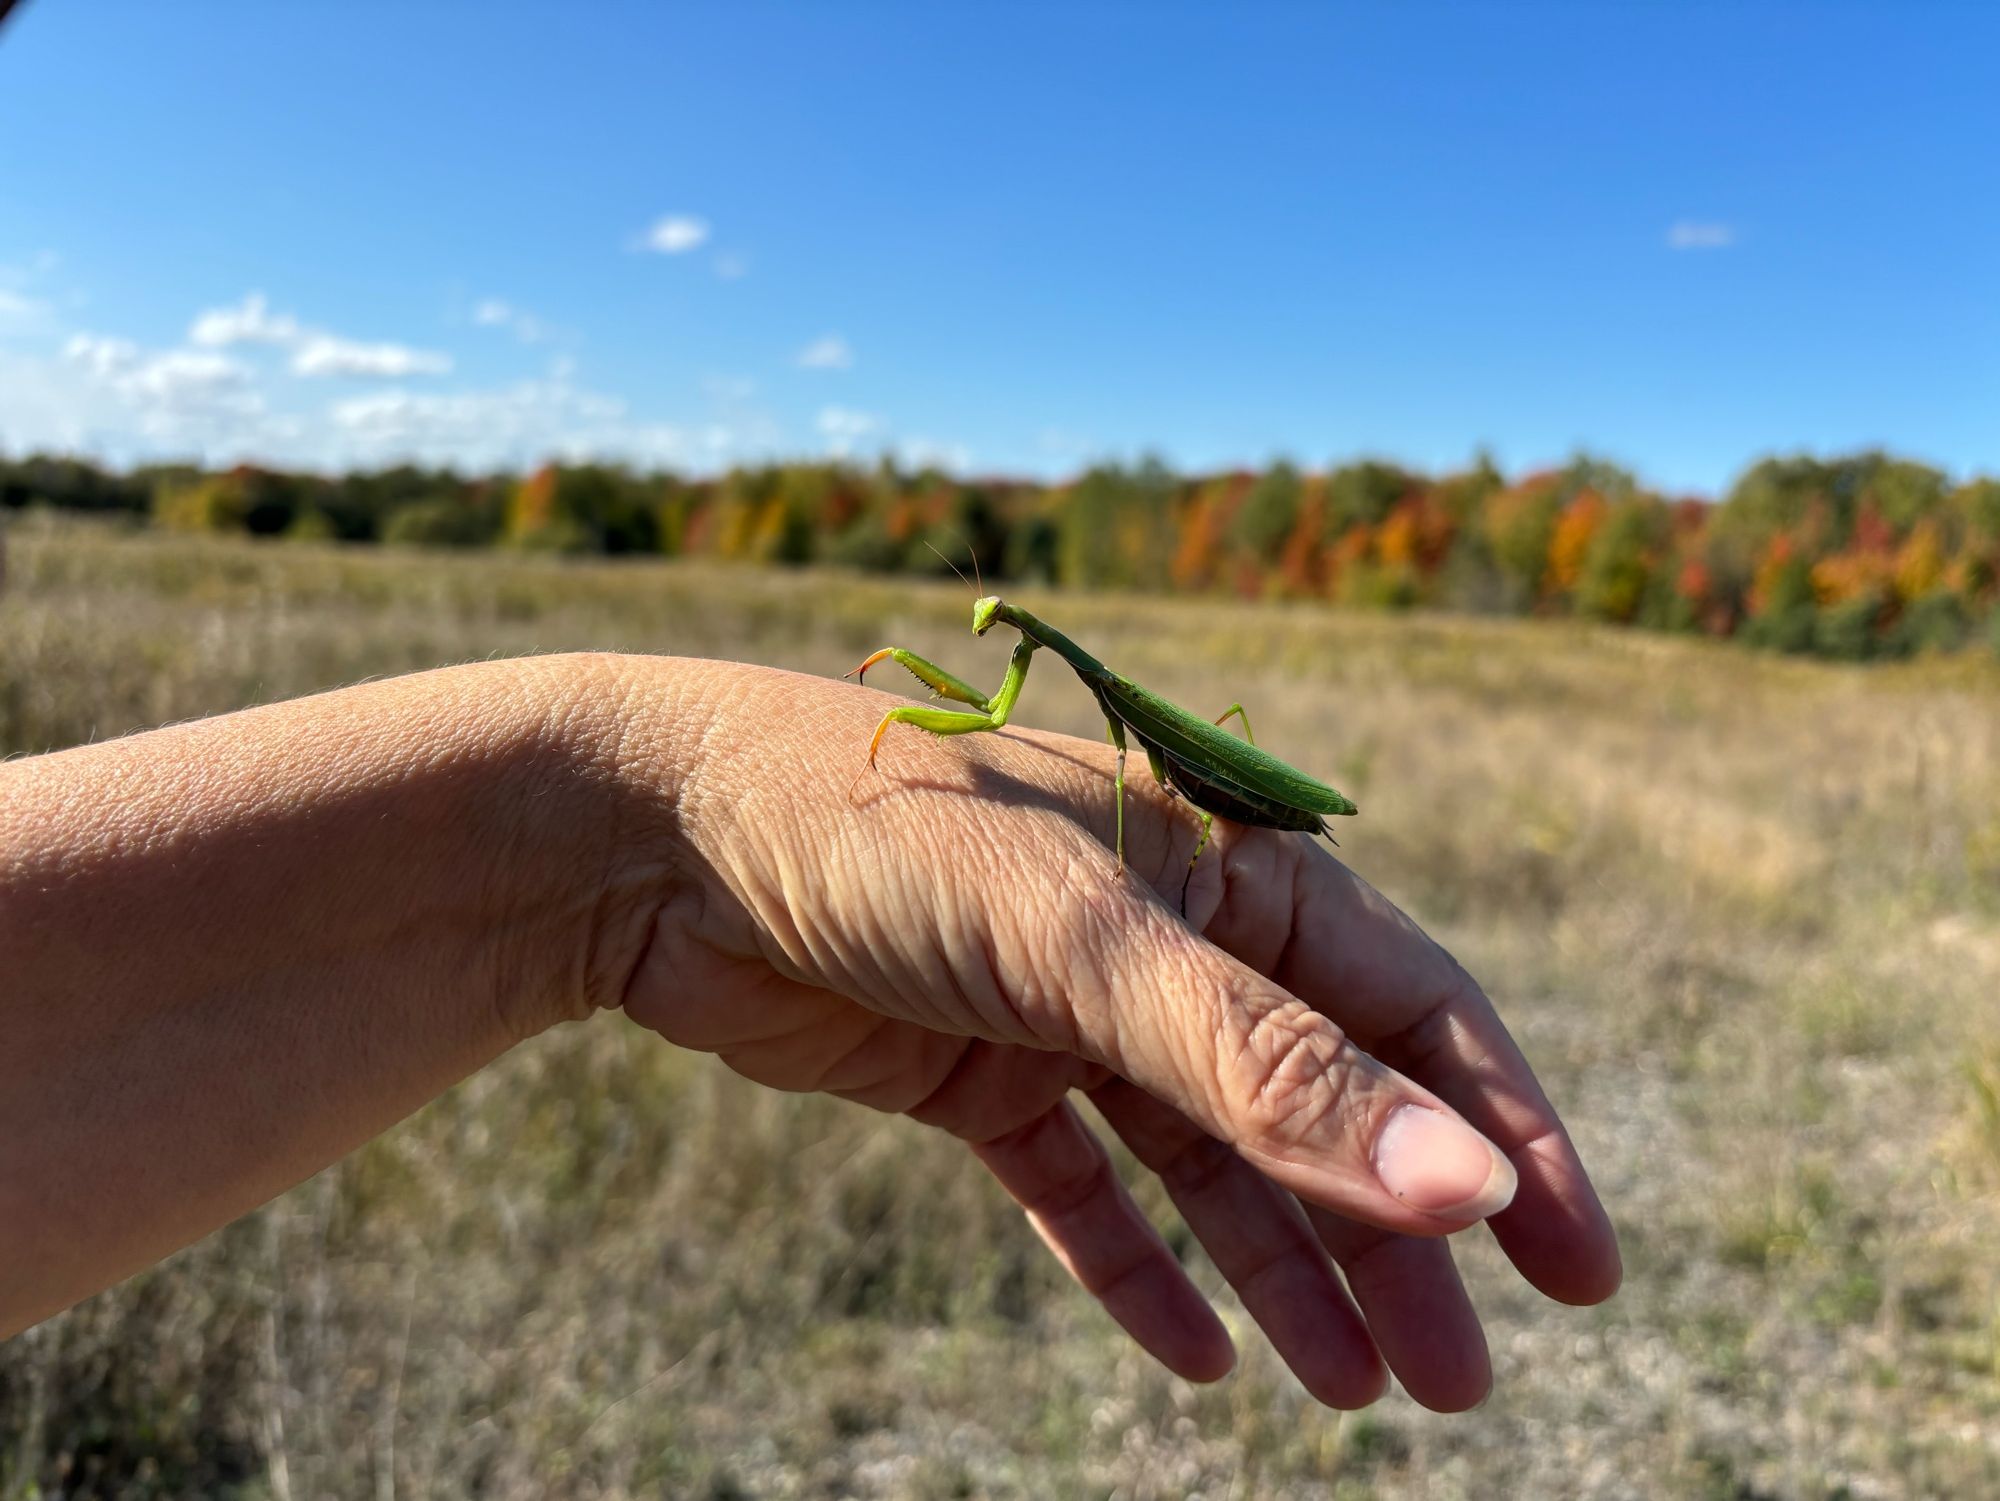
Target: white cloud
19,312
250,322
1697,234
220,401
676,234
324,354
176,378
184,379
845,422
928,453
525,326
102,357
510,426
843,427
829,352
175,397
315,352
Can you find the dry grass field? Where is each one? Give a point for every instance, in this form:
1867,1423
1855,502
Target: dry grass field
1743,912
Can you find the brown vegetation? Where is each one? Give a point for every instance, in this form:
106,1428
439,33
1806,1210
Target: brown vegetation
1743,911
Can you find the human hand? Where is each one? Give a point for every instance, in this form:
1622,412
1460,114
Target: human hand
952,940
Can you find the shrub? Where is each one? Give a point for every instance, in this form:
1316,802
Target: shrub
436,523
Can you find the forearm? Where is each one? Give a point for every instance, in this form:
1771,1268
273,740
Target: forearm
232,950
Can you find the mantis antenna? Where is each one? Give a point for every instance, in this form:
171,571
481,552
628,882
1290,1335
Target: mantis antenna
969,583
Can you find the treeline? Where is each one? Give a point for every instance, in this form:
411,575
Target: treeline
1860,556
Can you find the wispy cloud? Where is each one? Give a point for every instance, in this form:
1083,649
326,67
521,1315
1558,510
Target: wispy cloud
929,453
731,266
223,397
829,352
101,355
315,352
20,311
1700,234
676,234
325,354
169,393
523,424
250,322
843,427
522,324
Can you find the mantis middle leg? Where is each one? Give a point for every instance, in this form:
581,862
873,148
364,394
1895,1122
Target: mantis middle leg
1116,732
1237,710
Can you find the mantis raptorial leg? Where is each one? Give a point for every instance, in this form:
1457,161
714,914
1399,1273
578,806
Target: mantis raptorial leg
941,683
992,712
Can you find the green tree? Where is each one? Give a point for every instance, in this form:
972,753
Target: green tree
1361,494
1618,563
1114,528
1268,513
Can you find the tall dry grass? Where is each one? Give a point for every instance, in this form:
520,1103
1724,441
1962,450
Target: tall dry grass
1744,914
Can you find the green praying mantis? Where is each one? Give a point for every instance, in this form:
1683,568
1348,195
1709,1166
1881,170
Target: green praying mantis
1190,756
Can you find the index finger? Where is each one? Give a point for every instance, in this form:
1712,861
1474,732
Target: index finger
1292,911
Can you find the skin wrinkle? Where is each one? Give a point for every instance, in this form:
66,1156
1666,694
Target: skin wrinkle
1089,923
961,1065
1025,1010
581,718
828,1078
791,890
1299,1088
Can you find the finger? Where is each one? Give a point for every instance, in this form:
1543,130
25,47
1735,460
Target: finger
1255,1066
1326,935
1417,1310
1058,1171
1260,1242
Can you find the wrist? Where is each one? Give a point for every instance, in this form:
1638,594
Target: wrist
606,852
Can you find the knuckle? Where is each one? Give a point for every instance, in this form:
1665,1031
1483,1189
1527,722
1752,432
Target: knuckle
1201,1165
1292,1075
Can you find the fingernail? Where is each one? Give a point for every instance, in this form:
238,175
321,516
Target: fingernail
1438,1164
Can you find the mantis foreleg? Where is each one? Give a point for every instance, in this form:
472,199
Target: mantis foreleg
993,712
940,682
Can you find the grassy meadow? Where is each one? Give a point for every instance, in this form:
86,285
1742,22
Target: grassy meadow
1742,910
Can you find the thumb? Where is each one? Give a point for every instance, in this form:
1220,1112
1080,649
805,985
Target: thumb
1260,1069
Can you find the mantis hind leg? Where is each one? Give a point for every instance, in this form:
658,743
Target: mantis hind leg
1237,710
1115,733
1207,824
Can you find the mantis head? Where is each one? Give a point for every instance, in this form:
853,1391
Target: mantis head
984,611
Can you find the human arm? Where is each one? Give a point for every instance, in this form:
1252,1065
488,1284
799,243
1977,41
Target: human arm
244,946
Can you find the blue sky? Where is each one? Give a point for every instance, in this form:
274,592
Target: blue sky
1002,237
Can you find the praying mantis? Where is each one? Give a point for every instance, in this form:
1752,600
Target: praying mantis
1190,756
